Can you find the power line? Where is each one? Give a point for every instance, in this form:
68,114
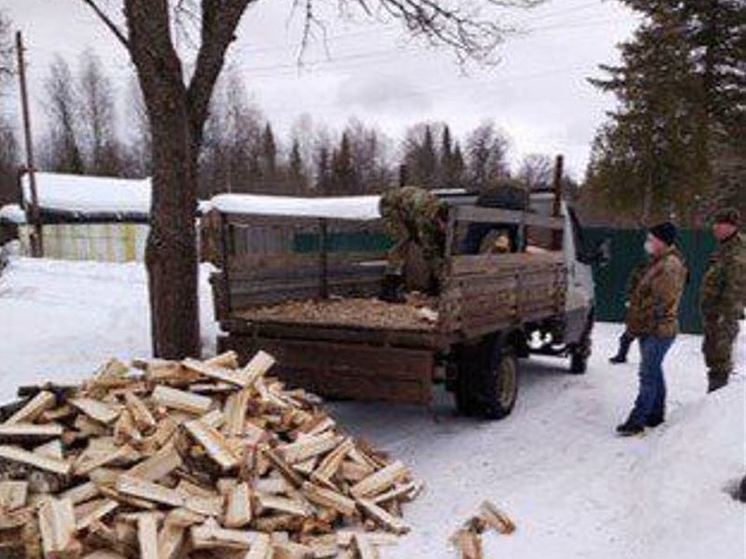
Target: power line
276,70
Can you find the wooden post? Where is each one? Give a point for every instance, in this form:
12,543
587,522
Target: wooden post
37,240
323,259
557,203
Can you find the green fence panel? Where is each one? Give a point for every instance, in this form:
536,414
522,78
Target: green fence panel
626,252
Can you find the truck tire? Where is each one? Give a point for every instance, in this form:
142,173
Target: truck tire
498,382
580,352
467,367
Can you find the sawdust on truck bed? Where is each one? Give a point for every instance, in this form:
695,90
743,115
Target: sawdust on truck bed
418,313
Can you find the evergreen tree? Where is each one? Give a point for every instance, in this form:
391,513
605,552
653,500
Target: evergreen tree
268,153
343,174
296,169
323,171
682,104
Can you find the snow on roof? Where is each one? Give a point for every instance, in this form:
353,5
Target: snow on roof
96,196
89,195
13,213
343,207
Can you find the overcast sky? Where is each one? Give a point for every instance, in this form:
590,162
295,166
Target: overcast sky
375,72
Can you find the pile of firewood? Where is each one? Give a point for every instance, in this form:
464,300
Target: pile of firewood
190,459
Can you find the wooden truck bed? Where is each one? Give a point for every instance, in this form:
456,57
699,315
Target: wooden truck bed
382,351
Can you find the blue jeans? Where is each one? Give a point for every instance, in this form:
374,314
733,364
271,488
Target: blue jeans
651,399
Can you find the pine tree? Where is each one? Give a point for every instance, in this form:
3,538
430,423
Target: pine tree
343,174
323,172
296,168
446,158
457,167
682,103
269,154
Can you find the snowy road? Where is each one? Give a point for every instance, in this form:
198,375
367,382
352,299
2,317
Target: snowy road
573,488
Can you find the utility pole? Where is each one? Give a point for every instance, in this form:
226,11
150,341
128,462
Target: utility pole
559,173
36,236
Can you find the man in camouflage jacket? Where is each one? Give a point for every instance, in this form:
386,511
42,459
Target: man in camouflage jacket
653,319
722,297
412,215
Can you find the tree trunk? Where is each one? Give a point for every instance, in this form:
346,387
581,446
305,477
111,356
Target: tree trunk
171,253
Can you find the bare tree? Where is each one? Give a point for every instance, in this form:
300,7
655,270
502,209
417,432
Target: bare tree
231,142
97,117
7,60
178,107
139,140
8,143
536,171
61,148
487,161
370,155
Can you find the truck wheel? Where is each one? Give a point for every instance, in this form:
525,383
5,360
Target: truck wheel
467,367
498,386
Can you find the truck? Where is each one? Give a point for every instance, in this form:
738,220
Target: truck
494,308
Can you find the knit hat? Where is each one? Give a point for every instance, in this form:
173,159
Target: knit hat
728,215
665,231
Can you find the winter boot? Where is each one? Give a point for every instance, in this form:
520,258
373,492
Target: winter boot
629,428
392,289
654,421
715,381
625,341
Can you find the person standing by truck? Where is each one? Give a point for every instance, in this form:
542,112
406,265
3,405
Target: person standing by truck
653,319
413,216
722,297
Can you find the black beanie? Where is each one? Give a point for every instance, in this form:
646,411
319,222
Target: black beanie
665,231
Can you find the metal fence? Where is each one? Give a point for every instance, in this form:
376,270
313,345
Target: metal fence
627,251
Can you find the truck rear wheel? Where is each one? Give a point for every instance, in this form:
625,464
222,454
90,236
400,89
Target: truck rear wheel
487,383
499,383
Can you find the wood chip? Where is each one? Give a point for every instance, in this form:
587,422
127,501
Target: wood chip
40,403
97,410
57,527
87,513
158,466
238,510
180,400
496,518
16,454
309,447
380,481
386,520
13,495
149,491
147,535
328,498
214,443
26,431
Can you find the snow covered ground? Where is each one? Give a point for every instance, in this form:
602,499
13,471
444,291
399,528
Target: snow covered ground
573,488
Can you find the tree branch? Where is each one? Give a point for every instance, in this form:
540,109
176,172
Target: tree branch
109,23
220,18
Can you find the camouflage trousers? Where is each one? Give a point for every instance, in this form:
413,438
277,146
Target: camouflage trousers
720,336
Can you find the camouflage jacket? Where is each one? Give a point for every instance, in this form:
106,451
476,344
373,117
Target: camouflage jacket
634,278
723,290
654,302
